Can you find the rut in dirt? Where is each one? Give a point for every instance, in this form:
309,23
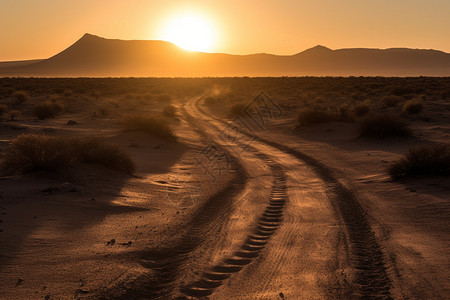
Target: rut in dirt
254,243
367,258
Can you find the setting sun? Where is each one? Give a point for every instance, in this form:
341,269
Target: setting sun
191,32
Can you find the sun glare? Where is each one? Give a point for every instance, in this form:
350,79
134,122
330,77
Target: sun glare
190,32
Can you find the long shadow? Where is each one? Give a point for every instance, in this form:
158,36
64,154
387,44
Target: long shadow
32,202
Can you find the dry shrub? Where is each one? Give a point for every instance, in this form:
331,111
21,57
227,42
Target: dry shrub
151,125
383,126
314,116
391,100
413,106
422,160
345,113
20,97
13,114
3,109
237,109
34,152
170,111
363,108
48,109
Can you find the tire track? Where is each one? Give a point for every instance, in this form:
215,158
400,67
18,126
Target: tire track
255,242
366,255
166,263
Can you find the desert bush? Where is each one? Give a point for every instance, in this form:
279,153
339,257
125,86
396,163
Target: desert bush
13,114
383,126
170,111
237,109
391,100
363,108
94,151
413,106
151,125
20,97
33,152
48,109
423,160
314,116
3,109
345,113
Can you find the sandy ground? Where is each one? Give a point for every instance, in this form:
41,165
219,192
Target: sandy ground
220,214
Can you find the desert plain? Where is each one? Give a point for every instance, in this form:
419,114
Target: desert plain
223,188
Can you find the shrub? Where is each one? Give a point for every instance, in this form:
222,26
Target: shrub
423,160
13,114
93,151
383,126
153,126
391,100
345,114
33,152
363,108
3,109
48,109
20,97
170,111
237,109
314,116
413,106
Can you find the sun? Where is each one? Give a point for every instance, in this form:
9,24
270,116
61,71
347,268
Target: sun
191,32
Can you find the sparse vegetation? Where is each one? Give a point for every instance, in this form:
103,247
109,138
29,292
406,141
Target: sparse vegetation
383,126
170,111
33,152
20,97
391,100
13,114
153,126
237,109
413,106
48,109
423,160
3,109
314,116
363,108
345,113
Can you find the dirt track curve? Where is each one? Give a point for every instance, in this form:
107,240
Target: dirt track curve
284,228
365,256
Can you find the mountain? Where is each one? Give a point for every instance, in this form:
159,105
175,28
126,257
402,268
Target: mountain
99,57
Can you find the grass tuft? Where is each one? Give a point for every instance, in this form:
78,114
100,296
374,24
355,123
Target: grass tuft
430,160
314,116
154,126
383,126
34,152
413,106
48,109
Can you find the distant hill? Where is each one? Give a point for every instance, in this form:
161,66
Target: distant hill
99,57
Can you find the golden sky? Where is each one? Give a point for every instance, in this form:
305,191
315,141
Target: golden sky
41,28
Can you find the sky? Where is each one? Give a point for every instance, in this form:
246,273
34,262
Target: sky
31,29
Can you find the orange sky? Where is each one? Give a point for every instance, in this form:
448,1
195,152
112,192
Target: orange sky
42,28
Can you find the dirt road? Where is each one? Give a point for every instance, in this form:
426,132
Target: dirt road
293,231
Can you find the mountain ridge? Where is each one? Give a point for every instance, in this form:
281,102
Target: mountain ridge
95,56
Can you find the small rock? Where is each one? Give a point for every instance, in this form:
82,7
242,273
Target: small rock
47,297
72,122
111,242
19,281
281,295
